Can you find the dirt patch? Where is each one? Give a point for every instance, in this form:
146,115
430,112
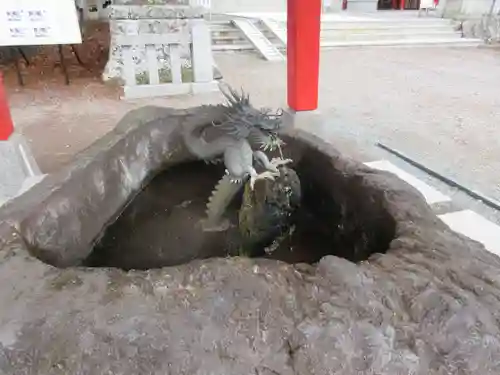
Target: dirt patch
43,63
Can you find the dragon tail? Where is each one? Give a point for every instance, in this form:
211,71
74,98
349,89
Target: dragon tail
221,197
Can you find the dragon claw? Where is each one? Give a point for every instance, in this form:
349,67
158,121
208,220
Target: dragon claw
276,162
267,175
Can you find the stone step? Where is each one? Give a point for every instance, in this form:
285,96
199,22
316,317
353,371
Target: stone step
236,35
233,47
221,28
339,35
227,25
227,38
378,24
389,29
434,42
389,36
416,27
338,17
349,19
258,40
348,36
326,40
350,26
227,33
341,32
454,42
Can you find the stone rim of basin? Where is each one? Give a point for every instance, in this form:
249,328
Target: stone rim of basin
136,135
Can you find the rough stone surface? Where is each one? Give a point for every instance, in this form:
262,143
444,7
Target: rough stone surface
429,305
266,213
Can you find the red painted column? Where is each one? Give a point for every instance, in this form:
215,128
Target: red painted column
6,125
304,26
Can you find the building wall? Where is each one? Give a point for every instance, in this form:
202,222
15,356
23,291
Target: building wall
221,6
362,5
470,8
478,6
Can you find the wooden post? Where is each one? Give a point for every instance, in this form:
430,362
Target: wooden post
6,124
304,27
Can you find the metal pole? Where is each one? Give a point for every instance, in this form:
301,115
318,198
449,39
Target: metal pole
490,202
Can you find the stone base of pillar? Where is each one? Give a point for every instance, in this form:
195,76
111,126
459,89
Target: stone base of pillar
302,119
19,170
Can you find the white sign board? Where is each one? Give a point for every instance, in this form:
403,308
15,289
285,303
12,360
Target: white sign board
38,22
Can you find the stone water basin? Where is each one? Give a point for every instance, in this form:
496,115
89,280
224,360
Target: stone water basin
376,284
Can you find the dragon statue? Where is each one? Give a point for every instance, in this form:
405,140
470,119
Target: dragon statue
242,139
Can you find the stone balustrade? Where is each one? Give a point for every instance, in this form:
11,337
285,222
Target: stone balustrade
140,17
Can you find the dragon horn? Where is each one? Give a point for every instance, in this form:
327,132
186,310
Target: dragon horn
229,94
237,98
234,95
240,98
245,99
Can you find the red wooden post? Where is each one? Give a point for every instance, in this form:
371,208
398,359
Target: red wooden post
304,26
6,125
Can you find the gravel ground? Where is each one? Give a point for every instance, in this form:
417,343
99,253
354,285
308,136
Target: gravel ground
438,105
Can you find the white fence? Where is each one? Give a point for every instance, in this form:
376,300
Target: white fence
201,71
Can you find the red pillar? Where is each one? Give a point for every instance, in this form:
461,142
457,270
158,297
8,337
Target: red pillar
6,125
304,26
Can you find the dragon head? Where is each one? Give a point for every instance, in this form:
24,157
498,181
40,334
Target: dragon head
245,121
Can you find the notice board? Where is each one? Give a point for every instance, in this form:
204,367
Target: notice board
38,22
